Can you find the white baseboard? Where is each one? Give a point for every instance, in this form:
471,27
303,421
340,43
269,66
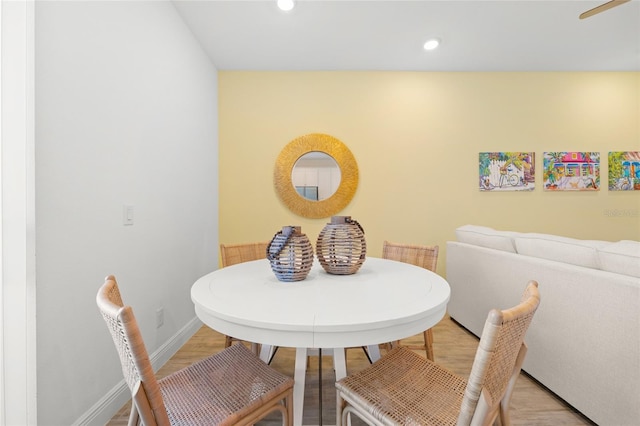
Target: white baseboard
103,410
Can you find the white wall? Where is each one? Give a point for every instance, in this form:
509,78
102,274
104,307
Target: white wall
126,114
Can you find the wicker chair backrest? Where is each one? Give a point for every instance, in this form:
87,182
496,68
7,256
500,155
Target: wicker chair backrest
499,354
423,256
237,253
136,366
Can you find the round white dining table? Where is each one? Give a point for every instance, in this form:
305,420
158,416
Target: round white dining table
384,301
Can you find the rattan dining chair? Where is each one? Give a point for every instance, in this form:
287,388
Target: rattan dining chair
238,253
425,257
232,387
403,388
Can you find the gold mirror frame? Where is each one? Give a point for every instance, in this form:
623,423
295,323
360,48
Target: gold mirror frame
284,168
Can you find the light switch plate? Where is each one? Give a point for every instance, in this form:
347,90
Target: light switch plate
127,215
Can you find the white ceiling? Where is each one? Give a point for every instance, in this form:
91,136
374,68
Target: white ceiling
477,35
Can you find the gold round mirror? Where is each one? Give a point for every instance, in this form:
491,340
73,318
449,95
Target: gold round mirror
307,196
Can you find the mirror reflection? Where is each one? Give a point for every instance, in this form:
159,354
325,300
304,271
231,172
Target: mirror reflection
316,176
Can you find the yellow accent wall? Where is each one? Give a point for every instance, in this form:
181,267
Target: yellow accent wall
416,137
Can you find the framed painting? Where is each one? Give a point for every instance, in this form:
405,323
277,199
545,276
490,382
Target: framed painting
507,171
571,171
624,171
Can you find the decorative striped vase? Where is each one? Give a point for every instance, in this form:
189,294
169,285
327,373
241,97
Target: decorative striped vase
341,247
291,254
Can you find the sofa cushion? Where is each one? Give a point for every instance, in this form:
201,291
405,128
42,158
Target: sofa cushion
560,249
486,237
622,257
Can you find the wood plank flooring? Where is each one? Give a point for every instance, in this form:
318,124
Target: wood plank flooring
454,348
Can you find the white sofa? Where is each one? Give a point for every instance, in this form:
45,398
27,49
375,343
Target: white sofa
584,342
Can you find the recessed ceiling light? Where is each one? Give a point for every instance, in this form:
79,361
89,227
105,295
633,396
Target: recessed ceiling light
286,5
431,44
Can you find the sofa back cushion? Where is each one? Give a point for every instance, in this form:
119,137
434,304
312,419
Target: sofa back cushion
622,257
486,237
561,249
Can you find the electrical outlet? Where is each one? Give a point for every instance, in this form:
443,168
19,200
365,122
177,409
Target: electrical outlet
159,317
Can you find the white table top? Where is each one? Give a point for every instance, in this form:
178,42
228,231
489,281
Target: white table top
384,301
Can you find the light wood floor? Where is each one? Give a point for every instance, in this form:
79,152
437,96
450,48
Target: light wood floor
454,348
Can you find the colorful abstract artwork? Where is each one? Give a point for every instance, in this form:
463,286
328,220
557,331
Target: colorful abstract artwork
624,171
571,171
507,171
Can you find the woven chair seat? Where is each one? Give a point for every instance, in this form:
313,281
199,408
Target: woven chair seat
221,389
403,382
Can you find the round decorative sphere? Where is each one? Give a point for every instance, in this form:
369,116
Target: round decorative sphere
291,254
341,247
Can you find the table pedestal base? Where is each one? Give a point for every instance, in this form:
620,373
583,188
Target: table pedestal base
339,364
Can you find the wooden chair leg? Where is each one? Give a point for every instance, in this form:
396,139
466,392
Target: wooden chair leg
428,344
228,340
255,348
